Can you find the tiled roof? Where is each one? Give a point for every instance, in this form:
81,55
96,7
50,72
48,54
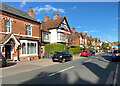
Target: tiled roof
15,11
5,38
52,23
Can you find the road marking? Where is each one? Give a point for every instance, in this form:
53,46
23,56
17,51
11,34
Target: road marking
88,60
97,57
115,77
61,71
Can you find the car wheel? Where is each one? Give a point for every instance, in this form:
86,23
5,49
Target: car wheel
71,58
63,60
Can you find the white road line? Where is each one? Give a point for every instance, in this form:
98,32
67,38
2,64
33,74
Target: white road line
88,60
115,77
61,71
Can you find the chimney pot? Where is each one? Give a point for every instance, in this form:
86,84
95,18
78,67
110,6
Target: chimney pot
46,17
30,11
73,29
55,16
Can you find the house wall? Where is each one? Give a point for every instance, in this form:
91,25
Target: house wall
18,29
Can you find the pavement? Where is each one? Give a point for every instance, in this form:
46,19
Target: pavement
88,70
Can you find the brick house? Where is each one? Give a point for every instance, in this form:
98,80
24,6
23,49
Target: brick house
54,31
97,43
19,34
75,37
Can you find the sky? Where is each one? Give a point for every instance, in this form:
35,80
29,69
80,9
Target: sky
99,19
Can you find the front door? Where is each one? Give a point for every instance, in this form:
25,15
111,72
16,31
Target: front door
8,51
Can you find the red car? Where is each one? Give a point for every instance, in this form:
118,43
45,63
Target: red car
85,53
105,50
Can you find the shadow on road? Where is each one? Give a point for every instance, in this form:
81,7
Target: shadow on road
63,78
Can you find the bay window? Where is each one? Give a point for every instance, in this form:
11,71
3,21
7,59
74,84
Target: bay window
29,47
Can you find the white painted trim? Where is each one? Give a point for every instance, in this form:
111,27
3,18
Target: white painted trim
27,41
21,35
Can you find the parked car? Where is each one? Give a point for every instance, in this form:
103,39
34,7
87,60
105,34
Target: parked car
116,55
62,56
3,61
85,53
92,52
105,50
82,50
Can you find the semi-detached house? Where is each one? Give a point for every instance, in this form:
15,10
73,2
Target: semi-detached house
54,31
20,34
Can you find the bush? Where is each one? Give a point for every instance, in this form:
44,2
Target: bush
52,48
74,50
67,48
90,48
75,46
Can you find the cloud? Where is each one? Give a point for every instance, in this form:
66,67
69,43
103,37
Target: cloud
38,19
78,27
85,31
109,38
73,7
23,3
114,29
91,31
48,9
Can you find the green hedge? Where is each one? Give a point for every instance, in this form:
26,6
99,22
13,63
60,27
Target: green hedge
90,48
74,50
52,48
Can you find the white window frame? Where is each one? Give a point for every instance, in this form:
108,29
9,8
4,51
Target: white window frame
26,43
9,26
46,36
29,30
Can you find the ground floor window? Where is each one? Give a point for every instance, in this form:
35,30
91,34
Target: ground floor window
41,49
29,47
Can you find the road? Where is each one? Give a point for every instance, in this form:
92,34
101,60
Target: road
89,70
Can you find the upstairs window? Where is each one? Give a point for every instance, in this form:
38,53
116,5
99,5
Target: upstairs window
28,30
7,26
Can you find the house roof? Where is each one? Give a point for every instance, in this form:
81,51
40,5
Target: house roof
5,38
52,23
9,9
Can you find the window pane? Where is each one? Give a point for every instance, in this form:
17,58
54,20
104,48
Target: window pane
7,26
23,48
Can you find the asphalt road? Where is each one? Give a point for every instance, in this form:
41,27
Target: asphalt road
90,70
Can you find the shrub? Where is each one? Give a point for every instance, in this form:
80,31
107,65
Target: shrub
74,50
52,48
90,48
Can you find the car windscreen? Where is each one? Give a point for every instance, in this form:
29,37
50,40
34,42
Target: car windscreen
58,54
116,51
84,51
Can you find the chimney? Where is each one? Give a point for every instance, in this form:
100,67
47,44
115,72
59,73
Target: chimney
30,12
81,33
90,36
86,34
73,29
46,17
55,16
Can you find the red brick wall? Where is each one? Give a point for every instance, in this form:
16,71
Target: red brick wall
18,27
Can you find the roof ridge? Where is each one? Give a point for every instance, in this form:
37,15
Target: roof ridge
53,19
13,7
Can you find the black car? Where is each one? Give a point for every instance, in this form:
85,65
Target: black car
92,52
62,56
3,61
116,55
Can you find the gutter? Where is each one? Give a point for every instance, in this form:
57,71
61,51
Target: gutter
115,75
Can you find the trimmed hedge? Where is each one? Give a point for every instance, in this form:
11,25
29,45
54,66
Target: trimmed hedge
74,50
52,48
90,48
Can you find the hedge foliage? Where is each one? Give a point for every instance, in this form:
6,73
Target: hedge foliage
52,48
74,50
